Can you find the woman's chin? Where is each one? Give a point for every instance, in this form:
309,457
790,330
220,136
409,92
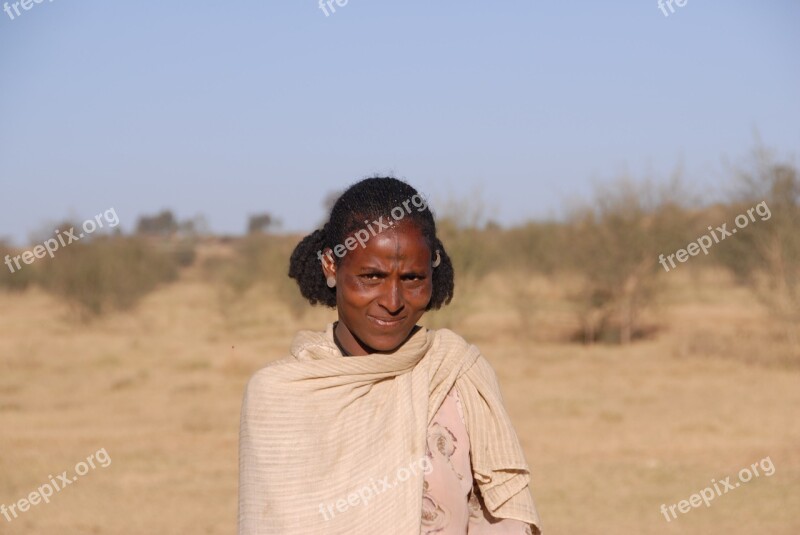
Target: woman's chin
385,342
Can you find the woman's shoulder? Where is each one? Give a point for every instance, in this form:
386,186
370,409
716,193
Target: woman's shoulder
446,337
306,345
448,341
266,375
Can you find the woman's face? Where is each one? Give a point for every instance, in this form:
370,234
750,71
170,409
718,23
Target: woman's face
382,289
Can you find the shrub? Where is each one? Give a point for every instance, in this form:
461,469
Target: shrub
107,273
259,259
614,244
19,279
766,254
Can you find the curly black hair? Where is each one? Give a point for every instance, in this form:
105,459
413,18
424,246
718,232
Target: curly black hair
357,208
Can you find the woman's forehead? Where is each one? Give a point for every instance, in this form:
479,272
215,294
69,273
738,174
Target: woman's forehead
395,244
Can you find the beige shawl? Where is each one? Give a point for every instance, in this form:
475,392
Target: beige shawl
331,445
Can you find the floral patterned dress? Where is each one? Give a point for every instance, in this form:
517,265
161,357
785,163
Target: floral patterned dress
451,501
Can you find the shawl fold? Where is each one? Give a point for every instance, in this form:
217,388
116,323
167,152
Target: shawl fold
332,445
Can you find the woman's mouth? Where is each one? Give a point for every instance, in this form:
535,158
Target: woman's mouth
386,322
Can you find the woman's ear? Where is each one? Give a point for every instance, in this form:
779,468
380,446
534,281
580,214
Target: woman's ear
328,265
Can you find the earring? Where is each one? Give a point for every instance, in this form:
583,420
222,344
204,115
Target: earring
438,259
331,282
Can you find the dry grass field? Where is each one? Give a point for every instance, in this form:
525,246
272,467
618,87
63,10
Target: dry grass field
610,432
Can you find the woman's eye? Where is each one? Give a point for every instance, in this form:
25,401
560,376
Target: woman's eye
379,276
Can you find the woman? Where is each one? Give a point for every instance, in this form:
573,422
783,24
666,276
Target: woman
378,425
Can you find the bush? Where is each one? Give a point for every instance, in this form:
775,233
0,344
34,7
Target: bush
765,255
107,273
18,280
614,244
537,247
259,259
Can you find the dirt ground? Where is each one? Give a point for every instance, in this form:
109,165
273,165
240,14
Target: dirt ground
610,433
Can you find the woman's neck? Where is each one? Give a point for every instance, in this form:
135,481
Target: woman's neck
350,346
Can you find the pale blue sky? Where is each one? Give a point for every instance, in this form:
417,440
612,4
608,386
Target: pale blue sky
232,108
